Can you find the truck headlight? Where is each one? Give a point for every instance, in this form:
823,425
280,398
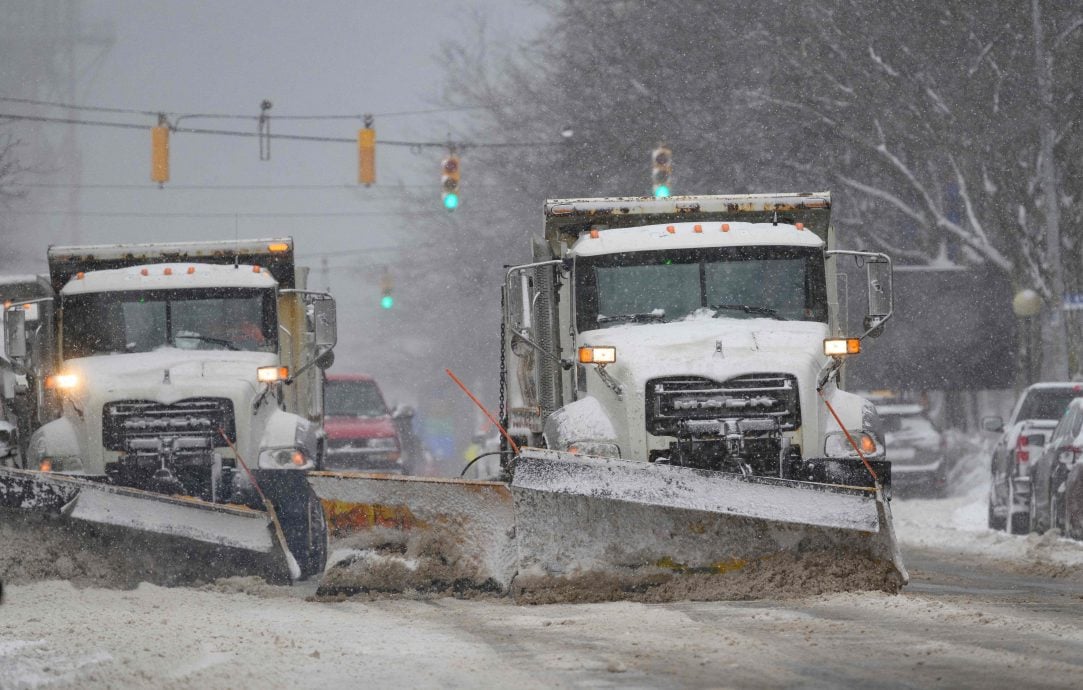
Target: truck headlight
283,459
69,464
836,445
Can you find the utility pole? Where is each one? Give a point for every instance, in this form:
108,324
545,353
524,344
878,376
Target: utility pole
1057,337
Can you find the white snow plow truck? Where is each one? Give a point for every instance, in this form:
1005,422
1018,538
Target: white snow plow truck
670,389
188,392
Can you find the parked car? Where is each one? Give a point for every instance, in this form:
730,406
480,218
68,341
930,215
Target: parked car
915,448
361,433
1049,473
1036,414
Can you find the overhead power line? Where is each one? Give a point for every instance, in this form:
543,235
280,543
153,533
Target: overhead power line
230,116
460,145
223,214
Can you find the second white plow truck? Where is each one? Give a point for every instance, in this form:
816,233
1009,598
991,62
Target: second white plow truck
187,383
670,382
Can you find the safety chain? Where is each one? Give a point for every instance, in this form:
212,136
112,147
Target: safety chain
502,412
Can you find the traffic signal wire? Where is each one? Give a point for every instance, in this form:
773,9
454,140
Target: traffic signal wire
226,116
460,146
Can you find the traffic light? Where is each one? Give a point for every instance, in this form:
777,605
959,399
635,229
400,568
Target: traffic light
159,153
450,181
366,153
386,284
662,163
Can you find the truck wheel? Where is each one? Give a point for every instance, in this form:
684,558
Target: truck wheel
311,546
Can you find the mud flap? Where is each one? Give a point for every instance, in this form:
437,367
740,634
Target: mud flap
579,518
135,535
395,533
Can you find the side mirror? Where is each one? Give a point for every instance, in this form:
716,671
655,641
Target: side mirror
326,325
15,333
992,424
880,296
402,412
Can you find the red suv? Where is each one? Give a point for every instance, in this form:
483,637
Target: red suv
361,434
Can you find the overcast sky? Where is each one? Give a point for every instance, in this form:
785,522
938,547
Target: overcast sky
316,57
311,58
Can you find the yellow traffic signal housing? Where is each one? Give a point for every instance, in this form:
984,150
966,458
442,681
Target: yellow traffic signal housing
366,155
159,154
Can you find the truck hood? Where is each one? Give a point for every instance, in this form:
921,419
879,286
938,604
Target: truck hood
170,374
346,428
716,348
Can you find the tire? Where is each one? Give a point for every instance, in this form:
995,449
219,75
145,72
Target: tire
313,559
995,523
1020,523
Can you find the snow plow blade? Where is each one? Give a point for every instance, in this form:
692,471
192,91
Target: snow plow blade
392,533
608,526
119,536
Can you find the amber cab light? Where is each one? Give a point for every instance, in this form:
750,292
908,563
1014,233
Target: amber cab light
835,347
597,355
272,374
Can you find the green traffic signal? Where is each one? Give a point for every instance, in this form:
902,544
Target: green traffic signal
451,201
661,191
387,301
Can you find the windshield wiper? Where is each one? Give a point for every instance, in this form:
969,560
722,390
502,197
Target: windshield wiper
216,341
656,315
748,309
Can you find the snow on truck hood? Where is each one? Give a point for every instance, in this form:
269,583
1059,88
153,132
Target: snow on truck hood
190,372
716,348
684,236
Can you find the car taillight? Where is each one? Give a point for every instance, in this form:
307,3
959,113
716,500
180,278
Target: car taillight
1022,453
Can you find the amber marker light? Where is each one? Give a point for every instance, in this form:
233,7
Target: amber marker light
835,347
272,374
597,355
278,247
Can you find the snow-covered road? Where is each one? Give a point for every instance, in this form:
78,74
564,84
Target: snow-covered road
983,610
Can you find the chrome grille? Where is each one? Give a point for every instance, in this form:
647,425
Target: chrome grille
124,421
681,401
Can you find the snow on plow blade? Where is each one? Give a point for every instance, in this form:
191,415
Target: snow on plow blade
393,533
610,526
120,536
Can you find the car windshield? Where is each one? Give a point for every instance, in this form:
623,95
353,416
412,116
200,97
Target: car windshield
353,399
907,424
733,282
193,319
1047,403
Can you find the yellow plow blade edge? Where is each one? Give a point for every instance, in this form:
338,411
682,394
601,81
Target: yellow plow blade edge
393,533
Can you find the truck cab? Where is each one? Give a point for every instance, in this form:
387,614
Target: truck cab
179,367
697,331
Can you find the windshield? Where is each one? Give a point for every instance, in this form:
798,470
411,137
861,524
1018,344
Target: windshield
1047,403
353,399
734,282
143,321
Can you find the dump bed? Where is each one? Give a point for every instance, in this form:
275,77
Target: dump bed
566,219
274,254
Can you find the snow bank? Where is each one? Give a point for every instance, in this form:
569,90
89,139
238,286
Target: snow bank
959,524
